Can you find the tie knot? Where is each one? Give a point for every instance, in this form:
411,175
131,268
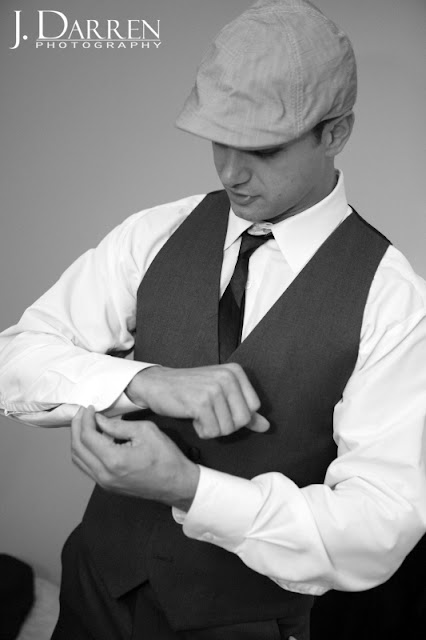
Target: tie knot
249,242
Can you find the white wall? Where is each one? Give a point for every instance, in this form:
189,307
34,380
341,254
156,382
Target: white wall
87,138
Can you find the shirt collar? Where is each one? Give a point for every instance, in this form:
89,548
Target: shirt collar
299,236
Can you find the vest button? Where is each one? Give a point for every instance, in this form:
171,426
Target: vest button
163,558
194,454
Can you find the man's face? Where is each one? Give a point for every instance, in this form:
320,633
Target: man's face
276,182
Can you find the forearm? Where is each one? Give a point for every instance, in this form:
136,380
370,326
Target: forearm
308,540
56,355
43,379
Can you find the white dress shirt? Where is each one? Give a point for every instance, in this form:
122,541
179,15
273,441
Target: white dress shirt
350,533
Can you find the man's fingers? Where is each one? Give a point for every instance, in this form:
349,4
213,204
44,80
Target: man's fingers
90,436
84,468
224,416
82,456
240,410
250,395
206,424
116,428
258,423
227,410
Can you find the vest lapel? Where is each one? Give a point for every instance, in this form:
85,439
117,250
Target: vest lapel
193,249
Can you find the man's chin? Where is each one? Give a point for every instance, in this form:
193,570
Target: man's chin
246,211
246,216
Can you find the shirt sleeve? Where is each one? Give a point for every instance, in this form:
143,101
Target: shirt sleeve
352,532
60,355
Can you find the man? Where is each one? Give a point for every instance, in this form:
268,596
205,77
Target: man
283,424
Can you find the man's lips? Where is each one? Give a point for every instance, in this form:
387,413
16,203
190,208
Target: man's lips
240,198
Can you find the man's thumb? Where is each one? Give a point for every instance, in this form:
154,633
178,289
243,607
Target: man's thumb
258,423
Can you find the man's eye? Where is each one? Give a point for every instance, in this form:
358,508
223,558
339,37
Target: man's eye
265,153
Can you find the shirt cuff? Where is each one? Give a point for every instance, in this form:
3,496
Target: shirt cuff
102,387
229,511
122,405
219,495
110,384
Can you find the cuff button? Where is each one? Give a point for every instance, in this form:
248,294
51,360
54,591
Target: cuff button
194,454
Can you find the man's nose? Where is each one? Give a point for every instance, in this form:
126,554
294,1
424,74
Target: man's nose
234,169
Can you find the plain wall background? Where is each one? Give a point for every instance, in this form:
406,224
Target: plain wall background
87,138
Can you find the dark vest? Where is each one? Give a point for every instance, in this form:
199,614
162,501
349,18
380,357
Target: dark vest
298,358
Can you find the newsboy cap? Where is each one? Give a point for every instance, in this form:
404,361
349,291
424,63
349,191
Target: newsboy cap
270,76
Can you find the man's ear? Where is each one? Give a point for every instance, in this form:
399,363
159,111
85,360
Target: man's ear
336,133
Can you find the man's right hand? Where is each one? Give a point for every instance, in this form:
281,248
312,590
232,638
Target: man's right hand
219,399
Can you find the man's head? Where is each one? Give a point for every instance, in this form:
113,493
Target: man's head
280,181
269,79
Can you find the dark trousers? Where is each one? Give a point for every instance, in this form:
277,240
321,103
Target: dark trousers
392,611
88,612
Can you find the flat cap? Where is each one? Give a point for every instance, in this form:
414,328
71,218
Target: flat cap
270,76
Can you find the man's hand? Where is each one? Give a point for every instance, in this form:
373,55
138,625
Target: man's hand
149,465
219,399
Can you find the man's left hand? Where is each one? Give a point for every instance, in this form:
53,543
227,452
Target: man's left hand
148,465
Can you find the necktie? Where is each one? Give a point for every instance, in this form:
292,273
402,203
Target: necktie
231,305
